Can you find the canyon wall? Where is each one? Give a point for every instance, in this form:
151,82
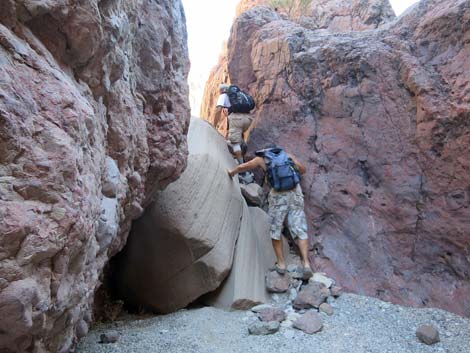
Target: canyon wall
381,116
93,115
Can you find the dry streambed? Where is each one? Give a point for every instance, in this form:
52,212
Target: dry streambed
359,325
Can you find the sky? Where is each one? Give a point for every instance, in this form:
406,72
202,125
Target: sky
208,24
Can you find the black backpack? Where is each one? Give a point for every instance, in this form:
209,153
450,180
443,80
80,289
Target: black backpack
282,172
240,101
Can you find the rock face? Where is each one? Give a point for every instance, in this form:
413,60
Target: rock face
381,118
93,114
183,246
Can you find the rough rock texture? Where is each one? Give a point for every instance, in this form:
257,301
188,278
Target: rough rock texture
336,16
184,244
311,296
277,283
427,334
93,112
310,322
381,118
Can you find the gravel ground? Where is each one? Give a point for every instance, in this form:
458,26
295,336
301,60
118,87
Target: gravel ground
358,325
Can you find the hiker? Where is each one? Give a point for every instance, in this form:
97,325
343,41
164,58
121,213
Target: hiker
238,116
286,200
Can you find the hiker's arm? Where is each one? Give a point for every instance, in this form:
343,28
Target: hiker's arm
255,162
300,166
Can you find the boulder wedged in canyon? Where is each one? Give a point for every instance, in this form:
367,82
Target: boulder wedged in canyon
183,246
381,117
244,287
93,114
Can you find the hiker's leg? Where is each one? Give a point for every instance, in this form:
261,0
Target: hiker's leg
303,246
278,251
277,213
237,152
235,130
297,224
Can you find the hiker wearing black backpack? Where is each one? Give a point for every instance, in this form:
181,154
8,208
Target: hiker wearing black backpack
286,201
236,105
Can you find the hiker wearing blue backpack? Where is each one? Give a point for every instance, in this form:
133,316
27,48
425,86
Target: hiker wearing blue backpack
236,105
286,201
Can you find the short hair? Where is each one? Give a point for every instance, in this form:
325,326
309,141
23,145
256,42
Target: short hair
224,87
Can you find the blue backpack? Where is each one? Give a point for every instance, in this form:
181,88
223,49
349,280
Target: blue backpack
282,172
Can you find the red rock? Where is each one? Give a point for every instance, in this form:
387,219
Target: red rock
380,117
272,314
311,296
90,96
276,283
310,323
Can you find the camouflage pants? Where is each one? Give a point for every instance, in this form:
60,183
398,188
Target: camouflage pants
287,205
238,123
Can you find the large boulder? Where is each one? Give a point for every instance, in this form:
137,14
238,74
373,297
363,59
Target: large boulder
245,287
183,246
93,114
381,119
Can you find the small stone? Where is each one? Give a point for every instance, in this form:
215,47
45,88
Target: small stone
326,308
428,334
253,193
272,314
263,328
292,294
109,337
309,323
277,283
298,274
336,291
311,296
294,268
322,278
258,308
81,329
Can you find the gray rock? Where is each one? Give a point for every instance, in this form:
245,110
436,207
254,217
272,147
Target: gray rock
310,323
272,314
294,268
428,334
258,308
326,308
336,291
242,289
263,328
277,283
292,294
311,296
253,193
322,278
109,337
82,329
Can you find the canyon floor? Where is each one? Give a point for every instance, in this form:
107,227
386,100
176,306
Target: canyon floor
359,325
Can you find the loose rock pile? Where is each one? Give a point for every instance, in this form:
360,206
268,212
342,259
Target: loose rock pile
300,302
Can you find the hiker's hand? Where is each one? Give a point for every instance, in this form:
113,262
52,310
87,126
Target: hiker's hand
230,173
225,111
